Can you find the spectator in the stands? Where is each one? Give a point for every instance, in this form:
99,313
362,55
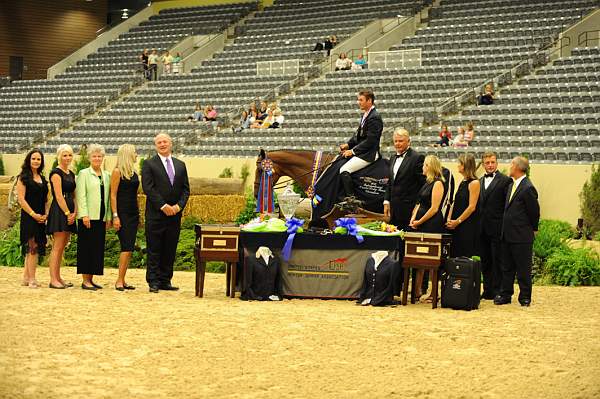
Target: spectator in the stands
327,45
262,112
487,97
210,114
264,123
167,60
274,107
334,41
153,64
469,132
177,65
252,109
277,119
360,63
198,114
444,137
343,63
460,141
144,61
245,121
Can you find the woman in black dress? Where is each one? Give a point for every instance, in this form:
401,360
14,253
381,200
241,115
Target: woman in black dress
427,216
463,222
93,204
62,213
124,184
32,193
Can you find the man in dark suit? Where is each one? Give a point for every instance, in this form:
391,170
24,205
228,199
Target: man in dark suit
363,147
492,198
519,226
165,183
406,180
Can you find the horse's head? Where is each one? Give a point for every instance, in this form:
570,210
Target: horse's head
262,155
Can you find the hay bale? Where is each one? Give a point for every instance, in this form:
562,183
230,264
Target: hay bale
208,208
216,186
5,179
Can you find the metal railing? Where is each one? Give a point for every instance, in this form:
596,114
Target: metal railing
398,59
584,38
469,96
278,68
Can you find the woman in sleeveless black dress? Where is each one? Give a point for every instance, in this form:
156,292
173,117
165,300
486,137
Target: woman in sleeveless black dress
124,183
464,220
427,216
62,213
32,193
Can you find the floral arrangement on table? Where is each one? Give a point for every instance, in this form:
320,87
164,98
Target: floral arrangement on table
266,224
376,228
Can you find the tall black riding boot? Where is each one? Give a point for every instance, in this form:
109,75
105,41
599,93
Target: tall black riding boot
347,183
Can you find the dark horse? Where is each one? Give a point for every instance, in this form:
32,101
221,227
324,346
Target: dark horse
298,165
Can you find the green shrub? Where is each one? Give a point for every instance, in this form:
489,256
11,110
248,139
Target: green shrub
551,236
589,198
1,166
184,260
10,247
215,267
249,211
298,190
244,173
83,161
189,222
226,173
597,238
567,266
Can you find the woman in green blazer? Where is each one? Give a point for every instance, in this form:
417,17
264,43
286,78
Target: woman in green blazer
94,216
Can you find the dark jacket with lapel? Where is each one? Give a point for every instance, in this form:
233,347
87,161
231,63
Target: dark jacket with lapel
402,191
491,204
158,189
521,214
365,142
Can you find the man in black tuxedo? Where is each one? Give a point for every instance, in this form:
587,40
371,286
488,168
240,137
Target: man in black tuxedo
519,226
165,183
492,198
363,146
406,180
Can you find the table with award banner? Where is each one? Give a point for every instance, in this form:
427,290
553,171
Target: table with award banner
320,266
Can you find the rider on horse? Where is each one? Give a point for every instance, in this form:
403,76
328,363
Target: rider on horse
363,147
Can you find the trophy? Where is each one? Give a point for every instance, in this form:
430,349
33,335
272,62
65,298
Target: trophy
288,202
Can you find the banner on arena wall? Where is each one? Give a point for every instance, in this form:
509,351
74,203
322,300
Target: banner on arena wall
324,274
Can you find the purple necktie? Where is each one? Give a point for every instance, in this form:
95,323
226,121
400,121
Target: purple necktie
170,171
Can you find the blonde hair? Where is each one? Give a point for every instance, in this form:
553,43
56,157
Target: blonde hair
96,148
401,132
126,160
434,168
63,148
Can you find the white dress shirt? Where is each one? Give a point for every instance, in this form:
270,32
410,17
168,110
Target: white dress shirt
488,180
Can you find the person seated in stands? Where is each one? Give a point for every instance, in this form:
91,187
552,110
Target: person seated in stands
327,45
262,112
252,108
177,59
460,141
198,114
144,61
334,41
167,60
245,122
277,119
444,137
360,63
487,97
319,46
274,107
264,123
343,63
469,132
210,114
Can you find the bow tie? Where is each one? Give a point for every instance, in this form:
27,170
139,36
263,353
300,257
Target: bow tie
490,174
401,155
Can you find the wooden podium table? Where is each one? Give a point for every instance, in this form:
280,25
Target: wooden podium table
424,251
216,243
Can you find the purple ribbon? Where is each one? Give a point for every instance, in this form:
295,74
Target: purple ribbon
350,225
293,225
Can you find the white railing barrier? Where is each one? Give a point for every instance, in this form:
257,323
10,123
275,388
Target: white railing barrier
278,68
395,59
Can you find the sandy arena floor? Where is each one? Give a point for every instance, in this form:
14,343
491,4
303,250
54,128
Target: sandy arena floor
108,344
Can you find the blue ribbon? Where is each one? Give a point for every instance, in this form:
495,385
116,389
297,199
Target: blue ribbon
350,225
293,225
